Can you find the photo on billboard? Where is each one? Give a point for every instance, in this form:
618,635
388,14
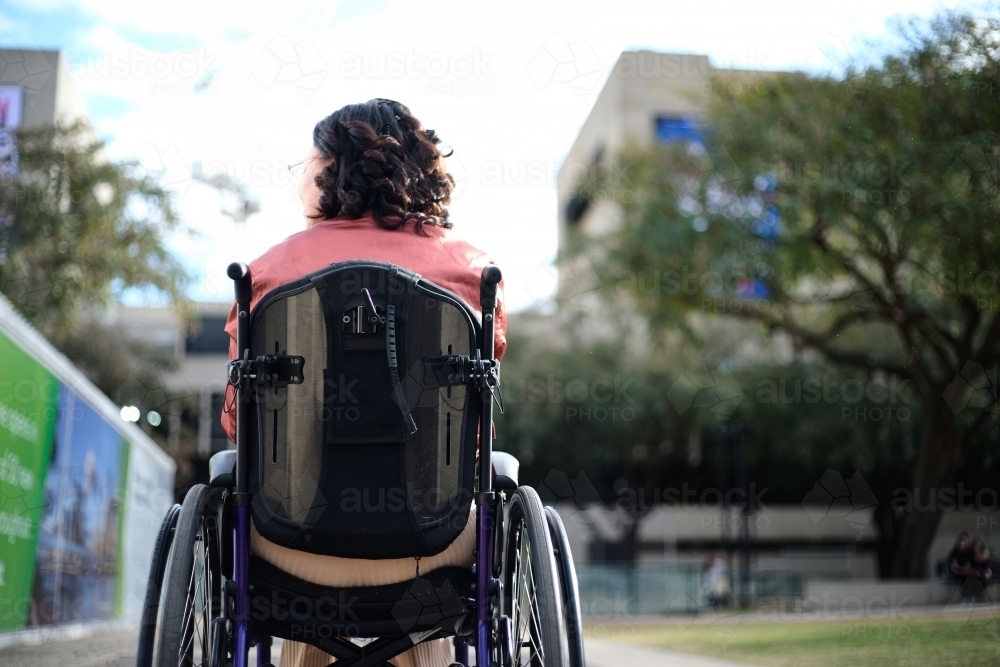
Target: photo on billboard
77,564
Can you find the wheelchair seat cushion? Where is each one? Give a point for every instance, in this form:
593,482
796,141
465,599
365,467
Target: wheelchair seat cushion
288,607
344,572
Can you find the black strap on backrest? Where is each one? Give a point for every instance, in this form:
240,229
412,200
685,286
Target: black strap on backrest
396,308
362,393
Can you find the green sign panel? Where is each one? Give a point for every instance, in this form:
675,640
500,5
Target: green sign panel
28,398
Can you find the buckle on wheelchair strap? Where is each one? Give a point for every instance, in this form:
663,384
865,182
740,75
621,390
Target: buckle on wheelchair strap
455,370
269,370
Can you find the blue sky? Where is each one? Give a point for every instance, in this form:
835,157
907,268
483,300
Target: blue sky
174,83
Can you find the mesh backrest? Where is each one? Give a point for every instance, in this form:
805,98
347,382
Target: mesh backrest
369,456
432,454
292,325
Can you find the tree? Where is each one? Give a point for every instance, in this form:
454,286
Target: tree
858,216
76,230
589,427
589,424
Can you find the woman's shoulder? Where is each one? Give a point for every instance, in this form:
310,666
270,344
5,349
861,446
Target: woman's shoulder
305,239
436,248
449,236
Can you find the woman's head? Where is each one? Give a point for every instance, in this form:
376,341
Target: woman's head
376,159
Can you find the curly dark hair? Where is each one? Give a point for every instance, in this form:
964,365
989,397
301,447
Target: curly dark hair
385,164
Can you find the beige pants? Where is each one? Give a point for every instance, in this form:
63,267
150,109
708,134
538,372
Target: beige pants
343,572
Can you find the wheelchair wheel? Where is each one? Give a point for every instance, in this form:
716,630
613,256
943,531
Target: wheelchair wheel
570,588
151,605
532,595
191,614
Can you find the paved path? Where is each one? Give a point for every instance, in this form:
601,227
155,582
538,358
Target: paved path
610,654
114,645
116,648
106,649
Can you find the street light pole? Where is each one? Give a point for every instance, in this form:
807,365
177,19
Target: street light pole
740,432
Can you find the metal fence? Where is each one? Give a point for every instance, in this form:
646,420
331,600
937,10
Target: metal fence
617,591
610,591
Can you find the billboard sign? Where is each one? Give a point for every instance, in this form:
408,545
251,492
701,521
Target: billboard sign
80,498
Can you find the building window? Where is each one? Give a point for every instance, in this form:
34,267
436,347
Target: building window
579,202
677,128
576,207
210,339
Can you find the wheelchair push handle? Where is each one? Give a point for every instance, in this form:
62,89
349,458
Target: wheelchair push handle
491,277
239,273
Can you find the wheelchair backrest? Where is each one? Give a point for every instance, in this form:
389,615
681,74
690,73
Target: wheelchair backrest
363,443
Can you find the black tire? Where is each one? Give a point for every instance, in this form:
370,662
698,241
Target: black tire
192,599
151,605
570,588
532,595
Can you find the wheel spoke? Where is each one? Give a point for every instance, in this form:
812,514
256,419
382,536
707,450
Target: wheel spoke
199,627
185,638
520,624
188,617
196,621
535,631
535,637
524,598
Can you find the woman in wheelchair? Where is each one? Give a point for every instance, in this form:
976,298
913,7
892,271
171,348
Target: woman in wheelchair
365,355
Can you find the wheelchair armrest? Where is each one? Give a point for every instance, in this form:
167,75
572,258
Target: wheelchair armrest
505,469
222,469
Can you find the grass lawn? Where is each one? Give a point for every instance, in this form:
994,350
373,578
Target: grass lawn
955,639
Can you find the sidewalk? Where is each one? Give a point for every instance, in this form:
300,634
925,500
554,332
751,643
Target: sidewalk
106,649
610,654
117,649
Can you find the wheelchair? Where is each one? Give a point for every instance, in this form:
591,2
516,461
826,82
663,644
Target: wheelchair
364,401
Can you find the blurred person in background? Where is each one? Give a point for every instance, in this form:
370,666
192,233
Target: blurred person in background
718,589
959,558
981,561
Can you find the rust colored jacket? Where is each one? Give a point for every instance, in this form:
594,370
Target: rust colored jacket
440,256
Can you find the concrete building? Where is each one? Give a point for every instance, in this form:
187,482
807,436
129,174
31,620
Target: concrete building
649,97
36,90
198,384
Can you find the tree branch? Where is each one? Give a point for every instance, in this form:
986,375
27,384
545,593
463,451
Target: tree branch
819,341
991,341
822,244
927,329
981,420
973,316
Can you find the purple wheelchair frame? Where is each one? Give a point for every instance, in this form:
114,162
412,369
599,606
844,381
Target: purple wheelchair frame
486,499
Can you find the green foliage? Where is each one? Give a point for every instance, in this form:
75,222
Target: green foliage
564,415
887,191
583,410
78,228
884,261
